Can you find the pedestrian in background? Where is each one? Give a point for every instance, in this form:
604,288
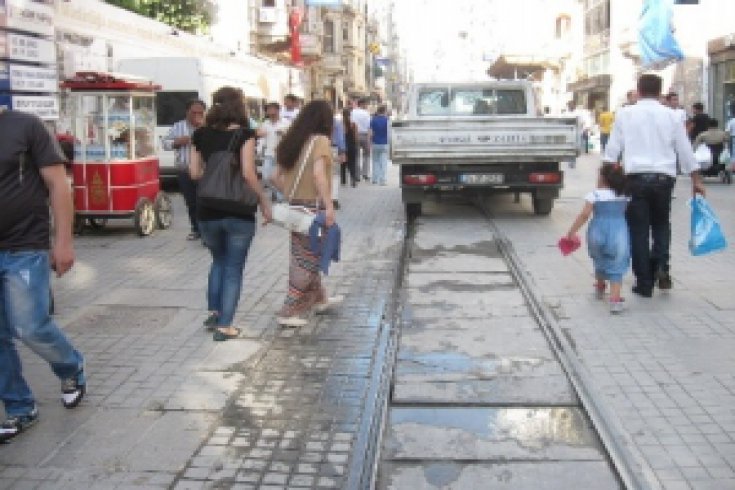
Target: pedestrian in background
351,144
271,130
379,143
730,128
631,97
608,242
32,176
227,234
178,139
672,101
715,139
361,117
605,121
306,151
699,122
650,139
290,108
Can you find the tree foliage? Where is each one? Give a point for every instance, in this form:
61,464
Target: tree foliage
192,16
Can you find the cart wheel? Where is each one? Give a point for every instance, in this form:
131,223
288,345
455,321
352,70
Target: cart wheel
164,210
78,225
97,223
145,217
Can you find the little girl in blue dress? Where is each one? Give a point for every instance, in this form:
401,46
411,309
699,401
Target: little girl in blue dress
608,242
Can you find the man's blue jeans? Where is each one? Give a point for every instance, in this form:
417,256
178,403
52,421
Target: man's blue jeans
269,173
380,164
228,240
24,315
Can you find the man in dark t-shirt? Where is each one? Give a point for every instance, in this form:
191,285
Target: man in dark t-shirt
32,177
699,122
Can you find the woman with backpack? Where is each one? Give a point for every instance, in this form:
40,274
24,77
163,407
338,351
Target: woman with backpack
227,229
304,172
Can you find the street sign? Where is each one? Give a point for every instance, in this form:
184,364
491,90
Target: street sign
44,106
21,78
18,47
36,16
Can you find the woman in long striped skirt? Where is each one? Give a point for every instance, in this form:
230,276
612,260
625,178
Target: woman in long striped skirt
306,144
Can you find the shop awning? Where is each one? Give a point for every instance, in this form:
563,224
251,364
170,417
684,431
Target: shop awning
520,66
590,84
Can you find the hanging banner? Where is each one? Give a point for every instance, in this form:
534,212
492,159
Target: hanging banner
21,78
44,106
35,16
656,36
18,47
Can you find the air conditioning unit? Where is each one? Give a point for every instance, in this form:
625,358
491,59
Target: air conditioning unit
267,15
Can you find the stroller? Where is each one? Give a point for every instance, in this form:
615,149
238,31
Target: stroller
718,167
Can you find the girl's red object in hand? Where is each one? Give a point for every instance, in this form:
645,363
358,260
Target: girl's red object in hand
568,245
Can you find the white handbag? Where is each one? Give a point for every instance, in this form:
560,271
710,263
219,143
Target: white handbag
295,218
703,156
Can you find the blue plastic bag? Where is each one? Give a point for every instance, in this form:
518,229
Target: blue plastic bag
707,235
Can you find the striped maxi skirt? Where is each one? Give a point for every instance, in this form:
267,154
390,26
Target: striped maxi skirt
305,288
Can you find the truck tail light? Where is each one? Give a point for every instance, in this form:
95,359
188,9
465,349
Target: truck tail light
420,179
544,178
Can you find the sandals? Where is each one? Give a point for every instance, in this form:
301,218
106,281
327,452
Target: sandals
220,336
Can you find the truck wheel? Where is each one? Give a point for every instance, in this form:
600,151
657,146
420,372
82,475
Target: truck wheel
542,206
413,210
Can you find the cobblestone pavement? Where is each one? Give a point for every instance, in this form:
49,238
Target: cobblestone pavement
665,368
169,407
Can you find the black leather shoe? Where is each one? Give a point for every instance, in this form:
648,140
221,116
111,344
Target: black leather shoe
643,292
664,281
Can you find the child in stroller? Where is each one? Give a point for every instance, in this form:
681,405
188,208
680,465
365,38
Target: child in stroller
717,140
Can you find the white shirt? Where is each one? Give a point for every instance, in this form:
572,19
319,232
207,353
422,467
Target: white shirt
651,139
361,118
681,114
289,115
730,127
273,132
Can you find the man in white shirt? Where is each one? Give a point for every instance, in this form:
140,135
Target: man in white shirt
672,100
290,108
650,138
361,118
271,131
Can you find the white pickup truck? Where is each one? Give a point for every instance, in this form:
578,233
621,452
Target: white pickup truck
478,138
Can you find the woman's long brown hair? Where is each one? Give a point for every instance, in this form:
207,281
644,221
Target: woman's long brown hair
316,117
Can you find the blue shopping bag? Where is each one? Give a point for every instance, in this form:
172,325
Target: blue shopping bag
707,236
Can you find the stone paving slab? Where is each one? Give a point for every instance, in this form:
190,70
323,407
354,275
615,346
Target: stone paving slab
169,407
482,434
498,476
665,368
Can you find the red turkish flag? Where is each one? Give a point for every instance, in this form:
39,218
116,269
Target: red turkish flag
294,22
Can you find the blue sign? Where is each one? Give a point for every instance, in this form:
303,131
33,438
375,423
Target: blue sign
656,36
323,3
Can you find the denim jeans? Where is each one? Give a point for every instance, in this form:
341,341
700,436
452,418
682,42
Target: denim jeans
380,164
649,216
24,315
188,190
269,171
228,240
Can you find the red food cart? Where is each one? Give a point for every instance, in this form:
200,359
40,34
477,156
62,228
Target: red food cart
115,169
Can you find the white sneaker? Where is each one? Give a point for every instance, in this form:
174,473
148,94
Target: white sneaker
331,302
292,321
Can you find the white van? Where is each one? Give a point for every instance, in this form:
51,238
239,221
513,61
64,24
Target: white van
183,79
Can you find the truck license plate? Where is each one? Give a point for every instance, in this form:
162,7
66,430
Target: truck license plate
482,179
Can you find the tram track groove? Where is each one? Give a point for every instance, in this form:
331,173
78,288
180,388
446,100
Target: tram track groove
630,465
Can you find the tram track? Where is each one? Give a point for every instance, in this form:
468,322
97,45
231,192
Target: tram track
392,466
